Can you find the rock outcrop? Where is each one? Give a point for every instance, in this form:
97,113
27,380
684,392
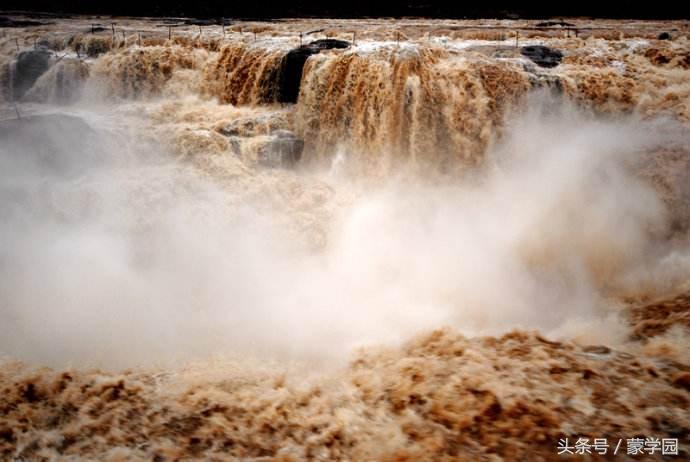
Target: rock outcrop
292,64
283,150
51,145
30,65
542,56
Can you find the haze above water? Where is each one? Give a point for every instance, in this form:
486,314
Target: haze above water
446,182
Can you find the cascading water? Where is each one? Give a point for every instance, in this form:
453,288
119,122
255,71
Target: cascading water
459,221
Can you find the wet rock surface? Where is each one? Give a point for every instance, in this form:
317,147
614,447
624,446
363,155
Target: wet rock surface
62,83
291,66
62,145
207,21
30,65
554,24
14,22
328,44
245,127
284,149
272,146
542,56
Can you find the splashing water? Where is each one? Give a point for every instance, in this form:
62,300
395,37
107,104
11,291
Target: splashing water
445,184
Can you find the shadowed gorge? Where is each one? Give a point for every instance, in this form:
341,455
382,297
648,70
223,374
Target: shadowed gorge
321,239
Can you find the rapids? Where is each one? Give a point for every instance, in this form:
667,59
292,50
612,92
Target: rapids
441,251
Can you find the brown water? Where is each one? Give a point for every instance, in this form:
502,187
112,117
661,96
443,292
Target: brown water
474,257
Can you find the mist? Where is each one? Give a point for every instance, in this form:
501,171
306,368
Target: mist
113,253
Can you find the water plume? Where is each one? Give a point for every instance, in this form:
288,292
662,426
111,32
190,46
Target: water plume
500,250
156,262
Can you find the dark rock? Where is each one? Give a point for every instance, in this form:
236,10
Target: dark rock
208,22
240,127
11,22
554,23
283,150
30,65
541,80
328,44
664,36
235,144
280,148
48,145
542,56
290,73
200,22
64,83
253,126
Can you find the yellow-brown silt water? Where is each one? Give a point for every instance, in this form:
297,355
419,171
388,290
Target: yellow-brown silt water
442,249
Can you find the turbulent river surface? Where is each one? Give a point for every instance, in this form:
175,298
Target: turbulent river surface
405,240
